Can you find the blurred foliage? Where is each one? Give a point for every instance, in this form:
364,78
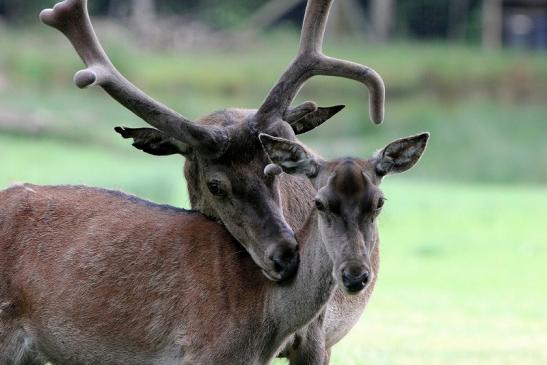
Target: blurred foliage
431,18
480,106
218,13
425,17
419,19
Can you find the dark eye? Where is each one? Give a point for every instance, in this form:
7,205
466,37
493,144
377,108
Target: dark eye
381,202
215,188
319,205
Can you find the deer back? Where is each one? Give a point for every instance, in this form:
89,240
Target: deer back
96,275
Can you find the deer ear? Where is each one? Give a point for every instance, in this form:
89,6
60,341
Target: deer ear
314,118
290,156
401,154
153,141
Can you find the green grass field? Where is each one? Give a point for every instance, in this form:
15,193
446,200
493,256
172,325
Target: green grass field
485,110
464,244
462,279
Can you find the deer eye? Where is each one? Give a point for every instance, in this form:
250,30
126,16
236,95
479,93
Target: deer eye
215,187
381,202
320,205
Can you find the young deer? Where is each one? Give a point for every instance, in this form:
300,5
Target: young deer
93,276
224,159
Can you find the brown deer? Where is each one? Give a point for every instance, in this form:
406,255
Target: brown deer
92,276
224,159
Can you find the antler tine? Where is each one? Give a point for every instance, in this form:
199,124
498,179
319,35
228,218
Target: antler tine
293,114
72,19
311,61
313,26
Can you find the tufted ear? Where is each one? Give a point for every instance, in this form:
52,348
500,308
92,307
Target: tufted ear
401,154
153,141
290,156
313,118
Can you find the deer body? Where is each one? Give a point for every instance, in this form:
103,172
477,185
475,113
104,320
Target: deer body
296,199
225,160
95,276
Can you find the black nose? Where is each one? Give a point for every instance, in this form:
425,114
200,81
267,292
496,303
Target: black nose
285,261
355,280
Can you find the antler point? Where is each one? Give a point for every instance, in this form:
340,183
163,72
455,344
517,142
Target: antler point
377,118
47,17
85,78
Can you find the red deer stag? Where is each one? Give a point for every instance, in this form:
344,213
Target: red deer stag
224,159
91,276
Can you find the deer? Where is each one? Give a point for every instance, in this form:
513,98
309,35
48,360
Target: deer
224,160
92,276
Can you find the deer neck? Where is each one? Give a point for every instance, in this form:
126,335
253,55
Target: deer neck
298,302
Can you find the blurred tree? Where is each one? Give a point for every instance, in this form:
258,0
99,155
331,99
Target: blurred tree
414,18
219,13
270,12
435,18
425,18
457,18
381,14
142,11
347,17
18,11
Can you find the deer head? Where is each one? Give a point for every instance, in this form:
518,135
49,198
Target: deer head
225,161
348,199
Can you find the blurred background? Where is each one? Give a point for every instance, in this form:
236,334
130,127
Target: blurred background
464,249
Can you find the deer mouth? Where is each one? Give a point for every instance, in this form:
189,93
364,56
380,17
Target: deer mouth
272,276
283,277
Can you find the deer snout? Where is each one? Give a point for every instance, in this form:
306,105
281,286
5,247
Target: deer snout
284,259
355,277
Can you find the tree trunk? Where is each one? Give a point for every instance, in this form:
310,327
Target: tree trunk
347,18
143,12
457,19
381,12
270,12
491,23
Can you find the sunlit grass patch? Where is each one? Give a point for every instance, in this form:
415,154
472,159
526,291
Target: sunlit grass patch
462,279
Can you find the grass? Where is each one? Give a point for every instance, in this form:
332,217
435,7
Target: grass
478,140
55,162
485,110
461,280
406,67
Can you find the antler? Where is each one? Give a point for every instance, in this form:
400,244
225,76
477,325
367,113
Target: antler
310,61
72,19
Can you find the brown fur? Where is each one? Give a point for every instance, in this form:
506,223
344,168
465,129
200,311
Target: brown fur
217,146
242,170
121,270
349,188
96,276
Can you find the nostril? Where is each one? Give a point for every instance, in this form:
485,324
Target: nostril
277,264
365,277
354,279
285,261
282,258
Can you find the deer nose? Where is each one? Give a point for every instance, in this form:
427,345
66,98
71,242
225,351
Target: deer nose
355,279
285,260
